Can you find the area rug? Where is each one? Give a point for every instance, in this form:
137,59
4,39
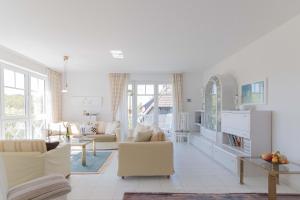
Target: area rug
94,164
193,196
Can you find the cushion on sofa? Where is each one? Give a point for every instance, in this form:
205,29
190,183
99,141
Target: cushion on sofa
51,145
141,128
103,137
111,127
101,127
158,136
143,136
47,187
23,146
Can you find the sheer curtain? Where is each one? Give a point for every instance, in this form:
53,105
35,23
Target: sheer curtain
177,85
54,96
117,85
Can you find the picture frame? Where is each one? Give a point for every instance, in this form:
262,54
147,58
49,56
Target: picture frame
254,93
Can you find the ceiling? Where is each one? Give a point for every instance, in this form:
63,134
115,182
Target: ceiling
154,35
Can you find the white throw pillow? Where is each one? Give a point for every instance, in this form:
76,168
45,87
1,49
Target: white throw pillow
143,136
141,128
100,127
111,127
90,129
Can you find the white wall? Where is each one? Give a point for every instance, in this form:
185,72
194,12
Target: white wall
90,85
275,56
96,84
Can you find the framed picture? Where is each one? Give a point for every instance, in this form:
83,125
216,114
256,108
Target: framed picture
254,93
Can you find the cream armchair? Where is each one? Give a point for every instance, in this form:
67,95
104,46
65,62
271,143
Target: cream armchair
41,188
28,159
145,159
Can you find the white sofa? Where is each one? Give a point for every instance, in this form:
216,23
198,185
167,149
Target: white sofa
25,160
107,134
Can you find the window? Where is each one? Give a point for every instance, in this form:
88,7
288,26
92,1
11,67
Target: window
165,105
150,103
37,106
145,104
14,94
22,104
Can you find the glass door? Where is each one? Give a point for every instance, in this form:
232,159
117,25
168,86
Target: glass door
145,104
150,103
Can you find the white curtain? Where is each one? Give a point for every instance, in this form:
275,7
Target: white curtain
117,84
177,85
54,96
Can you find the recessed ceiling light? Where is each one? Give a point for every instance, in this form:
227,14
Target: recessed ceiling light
117,54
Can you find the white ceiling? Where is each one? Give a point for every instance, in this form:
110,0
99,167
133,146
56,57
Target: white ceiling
154,35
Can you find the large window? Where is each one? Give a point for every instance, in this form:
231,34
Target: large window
14,93
150,103
22,103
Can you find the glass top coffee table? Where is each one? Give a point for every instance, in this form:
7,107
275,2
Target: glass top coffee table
83,142
273,170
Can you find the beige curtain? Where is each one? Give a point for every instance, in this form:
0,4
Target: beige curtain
117,85
55,96
177,85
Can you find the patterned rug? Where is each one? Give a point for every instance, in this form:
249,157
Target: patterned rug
94,164
191,196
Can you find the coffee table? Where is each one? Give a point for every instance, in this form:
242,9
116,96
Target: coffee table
83,143
273,170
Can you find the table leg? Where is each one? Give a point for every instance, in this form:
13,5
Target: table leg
272,186
241,171
94,147
83,158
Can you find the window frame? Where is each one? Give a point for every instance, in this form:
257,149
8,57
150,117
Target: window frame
155,95
27,118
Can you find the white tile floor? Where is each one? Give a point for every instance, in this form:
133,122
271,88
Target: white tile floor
194,172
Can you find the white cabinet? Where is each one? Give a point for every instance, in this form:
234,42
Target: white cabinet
227,159
254,127
237,123
202,144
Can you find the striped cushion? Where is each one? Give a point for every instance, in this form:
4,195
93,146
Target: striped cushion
23,146
43,188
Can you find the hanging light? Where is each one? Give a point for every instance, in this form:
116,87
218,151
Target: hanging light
65,80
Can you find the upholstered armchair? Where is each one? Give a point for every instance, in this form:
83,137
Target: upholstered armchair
25,160
42,188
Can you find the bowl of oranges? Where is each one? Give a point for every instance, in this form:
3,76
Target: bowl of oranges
275,158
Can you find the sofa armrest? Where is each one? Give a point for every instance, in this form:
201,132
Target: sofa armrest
57,161
22,166
145,158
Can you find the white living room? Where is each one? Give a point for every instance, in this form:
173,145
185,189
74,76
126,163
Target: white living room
149,100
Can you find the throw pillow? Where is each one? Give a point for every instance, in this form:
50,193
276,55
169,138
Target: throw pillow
51,145
90,130
100,127
111,127
143,136
140,128
158,136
